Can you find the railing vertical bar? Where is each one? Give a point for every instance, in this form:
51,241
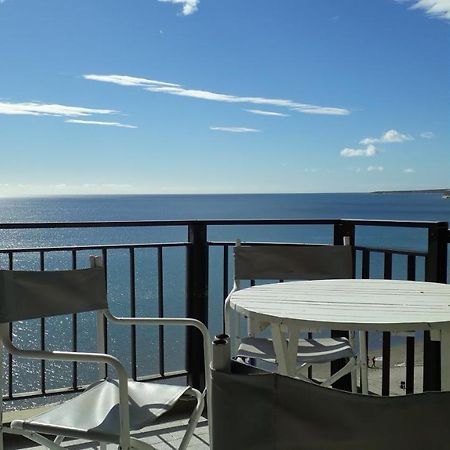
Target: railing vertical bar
74,332
310,370
133,312
410,341
197,265
10,357
386,364
225,279
105,321
343,229
435,271
162,369
42,327
410,361
365,272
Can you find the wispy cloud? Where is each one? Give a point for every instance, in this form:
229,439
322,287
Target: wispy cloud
125,80
42,109
176,89
266,113
427,135
326,110
391,136
408,170
189,6
439,9
375,169
370,150
97,122
235,129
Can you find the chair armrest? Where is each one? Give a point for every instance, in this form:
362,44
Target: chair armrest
175,321
86,357
170,321
66,356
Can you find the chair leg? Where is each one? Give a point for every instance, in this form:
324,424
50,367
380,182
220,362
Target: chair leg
363,362
348,368
59,439
195,416
354,374
35,437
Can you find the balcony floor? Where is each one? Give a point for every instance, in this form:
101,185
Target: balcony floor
164,436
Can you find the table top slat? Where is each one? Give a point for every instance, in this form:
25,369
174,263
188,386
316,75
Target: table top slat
349,304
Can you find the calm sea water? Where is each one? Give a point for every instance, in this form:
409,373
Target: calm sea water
422,207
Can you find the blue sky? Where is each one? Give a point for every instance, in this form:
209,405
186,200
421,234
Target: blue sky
223,96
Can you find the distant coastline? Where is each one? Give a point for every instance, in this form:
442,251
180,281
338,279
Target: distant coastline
416,191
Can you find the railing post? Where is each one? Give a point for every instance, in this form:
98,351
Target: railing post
435,271
196,300
342,229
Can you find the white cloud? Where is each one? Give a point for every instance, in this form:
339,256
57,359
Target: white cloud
427,135
408,170
125,80
434,8
371,150
326,110
41,109
189,6
97,122
391,136
375,169
235,129
228,98
266,113
175,89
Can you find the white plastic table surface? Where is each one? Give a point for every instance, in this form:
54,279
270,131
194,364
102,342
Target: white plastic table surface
372,305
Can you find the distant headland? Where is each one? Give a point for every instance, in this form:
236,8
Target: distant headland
415,191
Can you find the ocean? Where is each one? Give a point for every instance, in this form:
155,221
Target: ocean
404,206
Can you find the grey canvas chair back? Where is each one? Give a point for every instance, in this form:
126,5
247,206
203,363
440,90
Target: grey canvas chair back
29,295
292,262
277,412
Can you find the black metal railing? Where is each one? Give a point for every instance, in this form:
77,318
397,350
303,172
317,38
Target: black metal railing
195,275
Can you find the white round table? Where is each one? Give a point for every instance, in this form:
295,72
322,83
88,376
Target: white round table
360,305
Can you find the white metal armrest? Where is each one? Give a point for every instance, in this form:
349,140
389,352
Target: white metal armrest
183,322
85,357
170,321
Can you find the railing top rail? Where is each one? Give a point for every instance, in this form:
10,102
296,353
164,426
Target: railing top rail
397,251
92,247
153,223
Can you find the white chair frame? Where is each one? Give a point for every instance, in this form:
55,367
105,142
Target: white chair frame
234,329
126,441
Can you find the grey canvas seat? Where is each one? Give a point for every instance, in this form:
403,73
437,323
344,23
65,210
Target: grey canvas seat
284,413
310,351
293,262
107,410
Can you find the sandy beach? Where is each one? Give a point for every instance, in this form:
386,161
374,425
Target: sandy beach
397,372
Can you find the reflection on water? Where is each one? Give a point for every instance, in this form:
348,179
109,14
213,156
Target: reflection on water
58,330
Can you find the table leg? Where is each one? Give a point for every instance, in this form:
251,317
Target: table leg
445,360
285,349
280,347
231,328
363,362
